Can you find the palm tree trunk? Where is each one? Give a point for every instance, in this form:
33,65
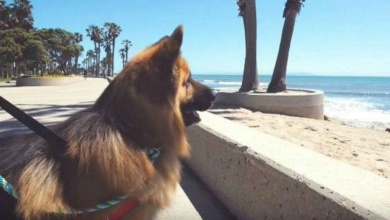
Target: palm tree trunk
113,51
98,59
250,76
77,62
278,81
127,53
96,46
108,55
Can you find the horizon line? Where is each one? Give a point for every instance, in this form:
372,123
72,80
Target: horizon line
296,74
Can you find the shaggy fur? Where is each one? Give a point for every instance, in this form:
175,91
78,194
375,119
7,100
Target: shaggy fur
147,104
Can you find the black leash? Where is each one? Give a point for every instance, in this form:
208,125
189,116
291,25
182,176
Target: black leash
50,136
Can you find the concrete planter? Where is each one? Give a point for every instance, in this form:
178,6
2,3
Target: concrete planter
294,102
49,81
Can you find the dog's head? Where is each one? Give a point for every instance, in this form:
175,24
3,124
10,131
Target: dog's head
163,75
192,95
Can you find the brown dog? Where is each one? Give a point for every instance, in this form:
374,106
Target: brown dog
147,105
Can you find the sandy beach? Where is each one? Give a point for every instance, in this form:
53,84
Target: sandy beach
365,148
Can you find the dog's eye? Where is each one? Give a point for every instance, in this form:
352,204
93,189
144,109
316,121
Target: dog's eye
188,82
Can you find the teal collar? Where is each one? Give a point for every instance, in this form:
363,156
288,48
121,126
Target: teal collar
152,154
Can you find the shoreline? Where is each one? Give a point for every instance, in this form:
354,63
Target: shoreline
362,147
349,117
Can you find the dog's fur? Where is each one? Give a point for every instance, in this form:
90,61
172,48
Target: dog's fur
147,104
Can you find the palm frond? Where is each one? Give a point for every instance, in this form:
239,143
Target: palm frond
241,7
293,5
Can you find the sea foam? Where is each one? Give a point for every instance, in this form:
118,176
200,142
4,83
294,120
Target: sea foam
357,112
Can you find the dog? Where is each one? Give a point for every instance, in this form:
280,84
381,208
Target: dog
148,104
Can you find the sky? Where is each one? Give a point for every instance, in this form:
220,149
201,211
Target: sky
331,37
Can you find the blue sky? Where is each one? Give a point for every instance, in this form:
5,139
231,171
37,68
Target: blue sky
331,37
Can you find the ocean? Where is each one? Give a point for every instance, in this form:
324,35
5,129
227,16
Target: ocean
358,101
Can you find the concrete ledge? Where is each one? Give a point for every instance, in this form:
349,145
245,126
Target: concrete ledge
47,81
258,176
296,102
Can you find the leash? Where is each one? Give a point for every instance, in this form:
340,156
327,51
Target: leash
50,136
55,140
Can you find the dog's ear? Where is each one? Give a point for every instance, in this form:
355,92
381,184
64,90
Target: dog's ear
176,39
168,50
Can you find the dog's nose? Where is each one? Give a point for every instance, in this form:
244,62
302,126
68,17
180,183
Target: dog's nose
214,93
211,94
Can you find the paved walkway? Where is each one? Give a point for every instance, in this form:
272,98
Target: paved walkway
50,105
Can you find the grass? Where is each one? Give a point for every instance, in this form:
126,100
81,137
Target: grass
5,79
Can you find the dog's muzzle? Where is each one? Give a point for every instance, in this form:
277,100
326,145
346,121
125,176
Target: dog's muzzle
202,101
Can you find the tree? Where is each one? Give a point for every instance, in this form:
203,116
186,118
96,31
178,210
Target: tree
278,81
113,31
19,37
96,35
78,38
126,45
35,55
107,49
4,15
122,54
105,64
247,10
90,56
21,14
10,52
84,62
61,46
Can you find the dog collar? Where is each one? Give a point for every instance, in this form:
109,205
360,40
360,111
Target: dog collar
152,154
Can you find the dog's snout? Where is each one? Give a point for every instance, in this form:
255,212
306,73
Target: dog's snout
213,93
209,94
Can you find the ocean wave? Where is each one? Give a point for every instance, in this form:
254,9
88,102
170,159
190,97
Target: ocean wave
208,81
359,94
229,83
357,113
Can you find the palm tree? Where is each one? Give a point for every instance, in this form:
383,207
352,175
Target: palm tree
4,15
105,64
21,14
90,56
78,38
107,48
84,62
247,10
113,31
122,54
95,34
278,81
126,45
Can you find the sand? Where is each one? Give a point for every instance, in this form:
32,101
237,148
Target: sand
366,148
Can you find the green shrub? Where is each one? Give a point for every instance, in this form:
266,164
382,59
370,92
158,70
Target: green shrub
55,72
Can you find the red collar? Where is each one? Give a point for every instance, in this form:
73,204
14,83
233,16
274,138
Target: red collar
123,209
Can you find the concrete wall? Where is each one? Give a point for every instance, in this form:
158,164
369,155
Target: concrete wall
258,176
298,102
47,81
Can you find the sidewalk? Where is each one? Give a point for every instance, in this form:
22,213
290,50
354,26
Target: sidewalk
50,105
